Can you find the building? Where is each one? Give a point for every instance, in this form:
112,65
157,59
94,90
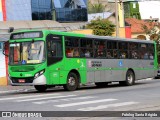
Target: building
131,9
58,10
137,29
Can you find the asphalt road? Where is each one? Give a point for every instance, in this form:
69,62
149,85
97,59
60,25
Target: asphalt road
143,96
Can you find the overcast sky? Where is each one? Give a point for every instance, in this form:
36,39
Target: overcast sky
149,8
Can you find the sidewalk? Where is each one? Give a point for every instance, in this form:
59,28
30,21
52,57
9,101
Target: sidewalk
10,89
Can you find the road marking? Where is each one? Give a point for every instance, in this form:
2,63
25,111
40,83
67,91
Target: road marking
45,98
30,96
107,106
84,103
62,100
18,90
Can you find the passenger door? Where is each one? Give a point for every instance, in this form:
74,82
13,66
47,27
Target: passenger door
54,58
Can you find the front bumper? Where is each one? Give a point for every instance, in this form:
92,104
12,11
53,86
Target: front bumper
41,80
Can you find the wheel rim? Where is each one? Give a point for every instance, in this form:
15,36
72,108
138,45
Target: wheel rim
130,78
71,81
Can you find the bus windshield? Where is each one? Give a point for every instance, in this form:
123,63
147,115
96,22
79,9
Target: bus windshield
26,53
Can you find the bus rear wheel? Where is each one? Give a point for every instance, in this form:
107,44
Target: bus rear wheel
101,84
41,88
130,79
72,82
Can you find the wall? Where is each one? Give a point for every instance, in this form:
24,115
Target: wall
86,31
89,32
1,15
128,31
121,15
3,80
121,32
18,10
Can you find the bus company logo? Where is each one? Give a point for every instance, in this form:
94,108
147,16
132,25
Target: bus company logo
6,114
21,74
82,65
120,63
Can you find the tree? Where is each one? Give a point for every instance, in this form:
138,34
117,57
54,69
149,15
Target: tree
96,7
154,34
102,27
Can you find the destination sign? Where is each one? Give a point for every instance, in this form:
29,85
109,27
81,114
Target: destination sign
24,35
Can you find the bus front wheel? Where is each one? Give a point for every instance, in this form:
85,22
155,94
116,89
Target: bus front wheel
41,88
72,82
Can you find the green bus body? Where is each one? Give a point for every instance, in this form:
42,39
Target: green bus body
55,71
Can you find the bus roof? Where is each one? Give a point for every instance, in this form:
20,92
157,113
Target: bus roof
87,36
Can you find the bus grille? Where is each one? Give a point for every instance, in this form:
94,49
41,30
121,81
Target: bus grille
27,80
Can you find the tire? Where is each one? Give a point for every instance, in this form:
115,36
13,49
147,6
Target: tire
41,88
130,79
156,77
101,84
72,82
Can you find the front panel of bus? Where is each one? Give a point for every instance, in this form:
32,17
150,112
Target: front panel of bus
27,58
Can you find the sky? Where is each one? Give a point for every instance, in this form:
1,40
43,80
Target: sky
149,8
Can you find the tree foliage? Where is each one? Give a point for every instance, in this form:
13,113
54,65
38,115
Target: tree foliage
101,27
96,7
155,34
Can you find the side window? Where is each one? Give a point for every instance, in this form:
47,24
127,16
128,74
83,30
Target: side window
133,50
54,49
112,51
123,50
151,51
144,53
99,49
86,48
72,47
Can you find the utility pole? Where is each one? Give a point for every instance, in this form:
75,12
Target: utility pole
117,23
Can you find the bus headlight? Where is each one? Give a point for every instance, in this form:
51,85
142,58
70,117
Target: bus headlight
39,74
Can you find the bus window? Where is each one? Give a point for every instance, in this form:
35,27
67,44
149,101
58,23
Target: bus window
144,53
112,49
100,49
54,49
72,46
133,50
123,45
151,51
133,46
87,43
86,53
86,48
123,54
134,54
71,42
123,50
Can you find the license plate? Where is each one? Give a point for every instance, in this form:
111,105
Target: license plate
21,80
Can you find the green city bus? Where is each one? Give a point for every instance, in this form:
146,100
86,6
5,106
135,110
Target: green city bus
46,58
